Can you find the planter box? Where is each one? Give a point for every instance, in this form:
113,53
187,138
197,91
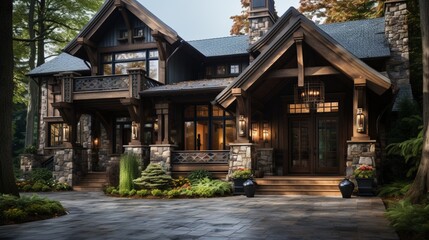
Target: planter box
365,186
238,186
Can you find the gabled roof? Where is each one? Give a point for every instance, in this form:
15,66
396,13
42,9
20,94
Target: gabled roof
134,7
62,63
232,45
280,38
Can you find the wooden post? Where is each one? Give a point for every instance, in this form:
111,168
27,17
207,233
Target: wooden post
299,37
360,104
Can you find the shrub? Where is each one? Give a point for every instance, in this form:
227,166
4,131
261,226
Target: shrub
26,188
395,189
39,186
62,186
156,192
31,149
173,193
123,192
154,177
128,170
142,193
181,182
409,219
187,192
108,190
40,174
197,175
211,188
115,192
132,192
241,173
15,210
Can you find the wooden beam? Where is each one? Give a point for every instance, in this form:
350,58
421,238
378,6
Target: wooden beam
158,36
309,71
299,37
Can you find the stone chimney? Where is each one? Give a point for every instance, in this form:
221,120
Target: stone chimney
262,17
396,31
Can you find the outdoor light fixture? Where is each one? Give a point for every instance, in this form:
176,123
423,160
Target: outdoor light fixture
360,121
255,131
312,93
66,132
134,131
265,132
242,126
96,142
155,125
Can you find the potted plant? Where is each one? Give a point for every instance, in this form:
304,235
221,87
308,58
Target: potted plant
239,176
364,175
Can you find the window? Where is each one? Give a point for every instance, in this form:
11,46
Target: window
325,107
234,69
221,70
258,3
119,63
207,127
55,134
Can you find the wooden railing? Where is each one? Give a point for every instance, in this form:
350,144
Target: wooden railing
101,83
207,156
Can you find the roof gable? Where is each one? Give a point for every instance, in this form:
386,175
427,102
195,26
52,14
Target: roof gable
106,11
281,39
62,63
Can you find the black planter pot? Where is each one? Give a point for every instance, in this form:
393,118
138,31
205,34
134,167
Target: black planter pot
238,186
249,188
346,188
365,186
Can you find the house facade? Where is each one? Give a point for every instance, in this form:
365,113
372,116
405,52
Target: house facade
291,98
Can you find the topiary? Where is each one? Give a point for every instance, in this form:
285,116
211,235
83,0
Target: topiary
154,177
128,170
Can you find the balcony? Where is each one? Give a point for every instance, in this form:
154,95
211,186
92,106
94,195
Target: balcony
104,87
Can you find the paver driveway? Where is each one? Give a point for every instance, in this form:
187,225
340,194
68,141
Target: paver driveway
95,216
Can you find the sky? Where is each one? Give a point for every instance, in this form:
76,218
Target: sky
202,19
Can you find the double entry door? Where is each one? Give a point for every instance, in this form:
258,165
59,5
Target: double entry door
313,144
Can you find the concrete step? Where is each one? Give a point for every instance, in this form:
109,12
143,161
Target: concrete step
92,181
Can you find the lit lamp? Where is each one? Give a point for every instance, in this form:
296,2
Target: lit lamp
242,126
95,142
360,121
155,125
265,132
66,132
254,131
134,131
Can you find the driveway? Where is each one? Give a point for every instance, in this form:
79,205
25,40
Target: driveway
95,216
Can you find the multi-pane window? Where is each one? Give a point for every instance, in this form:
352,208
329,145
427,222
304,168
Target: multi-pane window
234,69
118,63
55,134
207,127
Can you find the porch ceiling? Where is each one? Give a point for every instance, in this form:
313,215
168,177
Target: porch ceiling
113,106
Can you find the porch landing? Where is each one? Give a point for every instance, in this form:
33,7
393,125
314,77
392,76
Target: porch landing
299,185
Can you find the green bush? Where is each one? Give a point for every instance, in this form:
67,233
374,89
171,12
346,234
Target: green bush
61,186
16,210
395,189
123,192
40,186
132,192
109,189
128,170
409,219
40,174
154,177
181,182
187,192
115,192
210,188
31,149
197,175
173,193
156,192
142,193
27,188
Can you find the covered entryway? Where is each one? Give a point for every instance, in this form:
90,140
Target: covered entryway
313,143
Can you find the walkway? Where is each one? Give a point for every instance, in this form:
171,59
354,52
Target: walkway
94,216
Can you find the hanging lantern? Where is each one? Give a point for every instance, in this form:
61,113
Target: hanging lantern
312,93
66,132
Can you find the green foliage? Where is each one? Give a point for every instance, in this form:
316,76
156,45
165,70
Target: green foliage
115,192
395,189
200,174
410,150
16,210
242,173
173,193
132,192
30,149
409,219
128,170
210,188
181,182
109,189
156,192
142,193
40,186
154,177
40,174
124,192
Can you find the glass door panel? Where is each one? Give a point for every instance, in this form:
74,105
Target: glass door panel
327,145
300,146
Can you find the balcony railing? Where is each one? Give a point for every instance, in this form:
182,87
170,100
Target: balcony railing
101,83
208,156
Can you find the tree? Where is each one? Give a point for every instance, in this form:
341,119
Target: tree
7,178
41,28
240,24
341,11
420,186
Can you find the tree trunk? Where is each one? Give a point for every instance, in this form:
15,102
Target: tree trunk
7,178
33,89
421,183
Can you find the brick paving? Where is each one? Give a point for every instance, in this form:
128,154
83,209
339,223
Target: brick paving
95,216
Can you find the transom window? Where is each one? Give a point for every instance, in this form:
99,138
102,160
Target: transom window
207,127
118,63
324,107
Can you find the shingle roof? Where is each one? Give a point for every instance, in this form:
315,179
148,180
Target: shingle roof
62,63
363,38
213,47
183,87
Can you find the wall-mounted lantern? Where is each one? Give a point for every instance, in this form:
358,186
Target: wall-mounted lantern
265,132
66,132
96,142
255,132
156,125
360,121
134,131
241,126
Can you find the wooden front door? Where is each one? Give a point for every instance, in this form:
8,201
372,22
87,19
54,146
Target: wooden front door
313,144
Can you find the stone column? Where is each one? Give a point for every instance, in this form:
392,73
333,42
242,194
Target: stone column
242,155
359,153
161,154
63,165
264,161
